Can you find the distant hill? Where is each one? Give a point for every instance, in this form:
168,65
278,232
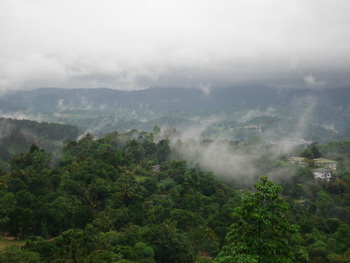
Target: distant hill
16,136
164,98
323,114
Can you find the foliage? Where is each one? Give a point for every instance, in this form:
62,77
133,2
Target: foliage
96,210
261,232
16,254
102,201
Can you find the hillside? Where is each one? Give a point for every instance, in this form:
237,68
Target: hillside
126,198
16,136
319,114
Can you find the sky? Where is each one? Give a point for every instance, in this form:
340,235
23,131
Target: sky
136,44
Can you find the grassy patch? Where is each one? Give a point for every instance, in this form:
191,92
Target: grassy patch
7,243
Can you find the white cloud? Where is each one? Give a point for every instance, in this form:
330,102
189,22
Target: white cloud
310,80
205,88
130,44
254,113
24,115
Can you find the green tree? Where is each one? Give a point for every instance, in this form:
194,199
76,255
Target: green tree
170,244
343,237
315,151
261,230
36,158
72,244
163,150
7,206
127,188
334,258
307,153
48,251
102,256
18,255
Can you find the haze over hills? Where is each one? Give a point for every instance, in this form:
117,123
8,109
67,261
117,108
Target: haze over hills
234,113
17,136
175,131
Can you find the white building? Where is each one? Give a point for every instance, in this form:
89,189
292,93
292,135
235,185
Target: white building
322,174
156,168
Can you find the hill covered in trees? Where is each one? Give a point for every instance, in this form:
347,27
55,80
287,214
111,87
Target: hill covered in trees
314,114
16,136
128,198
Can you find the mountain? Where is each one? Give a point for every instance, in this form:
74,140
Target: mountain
321,114
165,98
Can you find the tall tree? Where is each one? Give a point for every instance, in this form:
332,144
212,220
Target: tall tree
261,230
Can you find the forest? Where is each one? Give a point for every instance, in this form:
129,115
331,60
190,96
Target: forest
128,197
16,136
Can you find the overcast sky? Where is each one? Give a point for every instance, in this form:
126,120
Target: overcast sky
133,44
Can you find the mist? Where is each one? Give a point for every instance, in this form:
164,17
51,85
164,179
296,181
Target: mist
130,46
246,159
24,115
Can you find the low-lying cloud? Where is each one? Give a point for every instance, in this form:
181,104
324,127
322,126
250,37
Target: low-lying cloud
219,157
238,160
310,80
254,113
138,44
24,115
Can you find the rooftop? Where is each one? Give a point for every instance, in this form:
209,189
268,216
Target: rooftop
321,170
322,160
297,159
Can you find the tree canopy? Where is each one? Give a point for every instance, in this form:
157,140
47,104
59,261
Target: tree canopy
261,231
125,198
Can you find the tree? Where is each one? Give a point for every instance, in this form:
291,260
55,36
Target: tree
134,151
315,151
18,255
261,230
163,150
7,206
72,244
343,237
307,153
170,244
36,158
127,188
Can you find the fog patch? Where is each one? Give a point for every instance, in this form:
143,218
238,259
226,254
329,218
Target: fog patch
297,136
84,104
205,88
23,115
281,175
311,81
307,105
251,114
102,125
219,157
329,127
243,160
195,131
30,137
6,128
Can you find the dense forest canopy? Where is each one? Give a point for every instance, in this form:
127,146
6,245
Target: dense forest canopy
130,198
